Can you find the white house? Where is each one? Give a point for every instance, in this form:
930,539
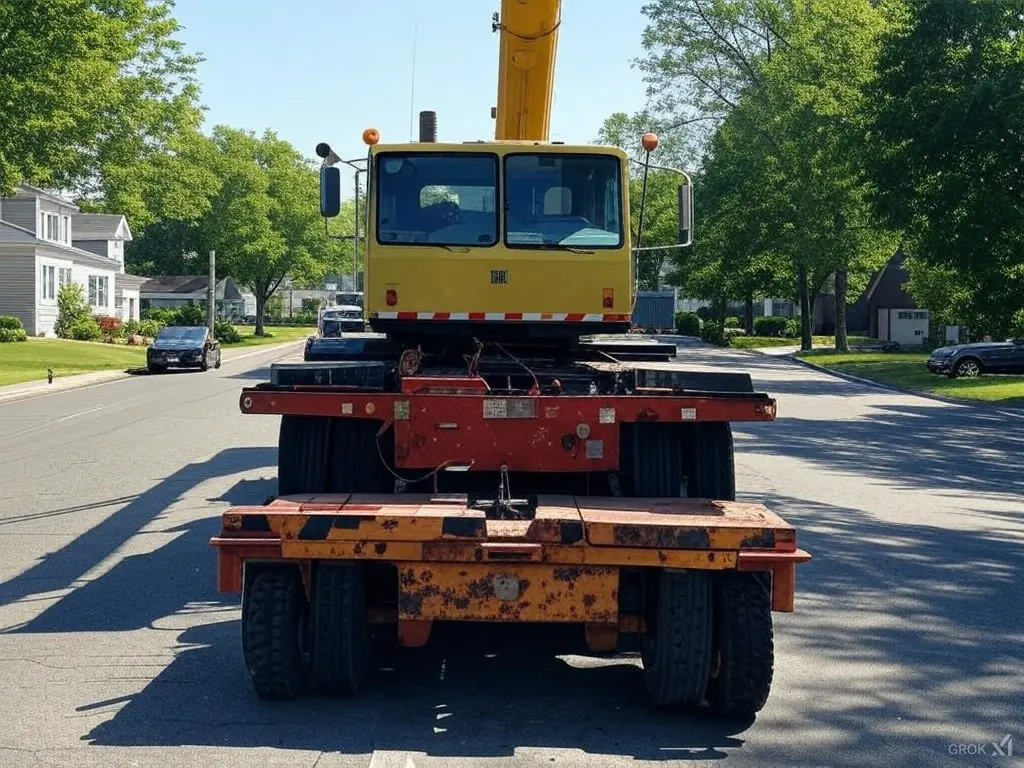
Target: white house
105,235
39,253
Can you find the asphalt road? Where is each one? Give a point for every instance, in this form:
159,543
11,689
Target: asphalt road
116,650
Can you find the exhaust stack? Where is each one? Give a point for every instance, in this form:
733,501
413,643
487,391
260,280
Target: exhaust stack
428,127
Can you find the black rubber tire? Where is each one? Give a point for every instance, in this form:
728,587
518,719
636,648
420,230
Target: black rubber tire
743,655
712,462
354,459
341,640
302,455
676,651
274,625
204,366
664,459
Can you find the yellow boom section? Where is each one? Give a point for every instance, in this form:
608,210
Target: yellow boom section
526,68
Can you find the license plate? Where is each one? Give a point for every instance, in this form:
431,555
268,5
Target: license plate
172,358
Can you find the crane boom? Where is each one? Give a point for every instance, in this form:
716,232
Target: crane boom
526,68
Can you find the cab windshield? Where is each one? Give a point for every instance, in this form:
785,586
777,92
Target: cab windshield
568,201
437,198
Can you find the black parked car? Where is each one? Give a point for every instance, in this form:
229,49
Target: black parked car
968,360
183,347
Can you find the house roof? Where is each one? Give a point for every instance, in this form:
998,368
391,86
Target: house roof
29,191
98,226
189,284
11,234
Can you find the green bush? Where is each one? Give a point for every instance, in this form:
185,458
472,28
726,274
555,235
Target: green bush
1017,324
149,328
793,328
713,333
706,313
687,324
190,314
131,327
10,323
71,309
86,329
12,334
770,325
732,322
226,333
160,315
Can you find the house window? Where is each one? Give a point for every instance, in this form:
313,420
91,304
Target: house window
50,227
66,236
98,290
48,282
63,276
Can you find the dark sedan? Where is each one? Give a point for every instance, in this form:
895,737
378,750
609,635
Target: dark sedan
967,360
183,347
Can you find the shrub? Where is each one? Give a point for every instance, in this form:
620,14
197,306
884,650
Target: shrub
110,327
10,323
85,329
732,322
190,314
770,325
131,327
1017,324
71,309
12,334
793,328
149,328
713,333
160,315
226,333
687,324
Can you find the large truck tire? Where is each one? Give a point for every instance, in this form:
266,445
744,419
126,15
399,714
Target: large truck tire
302,455
341,643
743,654
676,650
673,460
274,632
354,457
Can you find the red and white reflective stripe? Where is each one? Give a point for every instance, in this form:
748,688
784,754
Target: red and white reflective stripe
564,317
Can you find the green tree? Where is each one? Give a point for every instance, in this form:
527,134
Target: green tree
945,154
88,86
72,309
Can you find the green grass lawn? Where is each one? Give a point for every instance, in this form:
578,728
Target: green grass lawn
28,360
906,370
275,334
762,342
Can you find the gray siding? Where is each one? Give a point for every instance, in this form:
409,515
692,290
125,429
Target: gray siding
99,247
22,212
18,285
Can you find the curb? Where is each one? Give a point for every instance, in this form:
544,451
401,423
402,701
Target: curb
112,376
917,393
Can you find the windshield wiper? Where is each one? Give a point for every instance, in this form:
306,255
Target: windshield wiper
560,247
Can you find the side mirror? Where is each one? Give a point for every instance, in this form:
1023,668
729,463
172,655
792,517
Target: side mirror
330,191
685,214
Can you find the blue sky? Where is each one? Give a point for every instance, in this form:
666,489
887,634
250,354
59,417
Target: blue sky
323,70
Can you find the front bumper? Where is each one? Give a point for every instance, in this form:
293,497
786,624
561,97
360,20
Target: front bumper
175,358
939,365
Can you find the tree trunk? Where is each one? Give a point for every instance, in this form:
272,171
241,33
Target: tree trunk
720,309
842,343
805,308
261,303
748,315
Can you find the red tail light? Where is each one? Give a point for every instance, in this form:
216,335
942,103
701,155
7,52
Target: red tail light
391,297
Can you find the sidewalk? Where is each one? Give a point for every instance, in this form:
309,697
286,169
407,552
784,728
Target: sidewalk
64,383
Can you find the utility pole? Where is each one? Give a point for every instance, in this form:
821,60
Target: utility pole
211,294
355,242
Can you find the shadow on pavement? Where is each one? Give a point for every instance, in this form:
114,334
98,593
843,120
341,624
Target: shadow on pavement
465,703
140,588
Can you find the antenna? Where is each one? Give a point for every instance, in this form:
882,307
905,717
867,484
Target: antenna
412,84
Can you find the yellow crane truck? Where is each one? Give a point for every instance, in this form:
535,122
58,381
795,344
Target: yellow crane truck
498,447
